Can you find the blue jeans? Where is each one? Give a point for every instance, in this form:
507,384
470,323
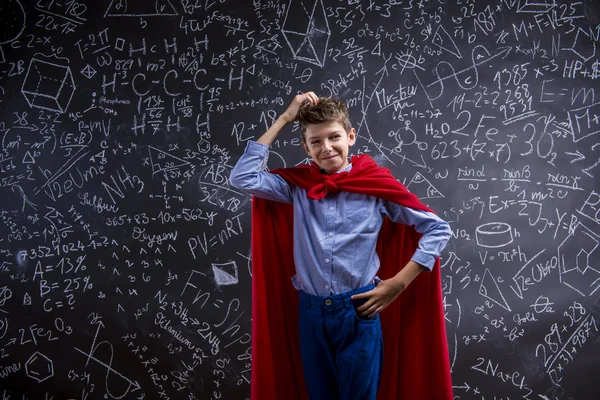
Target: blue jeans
342,353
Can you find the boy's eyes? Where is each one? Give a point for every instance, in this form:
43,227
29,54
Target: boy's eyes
316,142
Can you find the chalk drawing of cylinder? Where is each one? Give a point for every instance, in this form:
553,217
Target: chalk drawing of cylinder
48,86
494,234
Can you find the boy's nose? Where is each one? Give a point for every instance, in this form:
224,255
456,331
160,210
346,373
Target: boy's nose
326,146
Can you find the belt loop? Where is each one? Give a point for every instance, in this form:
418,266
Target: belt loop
350,302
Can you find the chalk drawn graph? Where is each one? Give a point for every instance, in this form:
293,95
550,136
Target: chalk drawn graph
117,378
468,77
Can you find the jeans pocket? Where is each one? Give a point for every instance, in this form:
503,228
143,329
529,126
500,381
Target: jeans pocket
358,303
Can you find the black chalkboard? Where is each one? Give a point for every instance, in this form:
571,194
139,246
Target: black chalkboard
124,252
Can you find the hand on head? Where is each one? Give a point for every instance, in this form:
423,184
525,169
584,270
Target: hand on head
308,98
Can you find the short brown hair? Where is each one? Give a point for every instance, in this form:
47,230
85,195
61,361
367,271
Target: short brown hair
327,109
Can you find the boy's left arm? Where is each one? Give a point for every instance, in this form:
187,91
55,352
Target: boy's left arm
436,233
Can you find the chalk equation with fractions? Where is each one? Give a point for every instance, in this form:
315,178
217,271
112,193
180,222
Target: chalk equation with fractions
125,252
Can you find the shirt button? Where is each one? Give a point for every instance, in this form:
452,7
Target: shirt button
330,234
326,286
330,208
327,260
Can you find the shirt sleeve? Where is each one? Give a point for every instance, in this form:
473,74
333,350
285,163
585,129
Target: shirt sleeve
436,232
250,176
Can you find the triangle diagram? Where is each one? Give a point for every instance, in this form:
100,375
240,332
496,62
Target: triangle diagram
318,19
489,289
420,186
298,16
163,161
318,43
294,40
377,49
443,40
140,8
99,155
533,6
28,158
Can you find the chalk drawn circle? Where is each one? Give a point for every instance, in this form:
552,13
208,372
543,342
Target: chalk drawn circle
407,61
12,20
494,234
276,160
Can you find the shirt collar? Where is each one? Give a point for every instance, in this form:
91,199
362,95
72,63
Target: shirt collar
347,168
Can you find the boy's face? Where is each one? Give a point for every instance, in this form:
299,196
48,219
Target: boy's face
327,143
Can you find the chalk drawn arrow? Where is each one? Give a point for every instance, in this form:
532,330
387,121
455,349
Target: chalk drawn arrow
577,154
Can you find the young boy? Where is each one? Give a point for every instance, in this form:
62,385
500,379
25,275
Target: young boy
337,219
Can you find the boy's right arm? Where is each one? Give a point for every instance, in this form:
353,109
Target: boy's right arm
248,174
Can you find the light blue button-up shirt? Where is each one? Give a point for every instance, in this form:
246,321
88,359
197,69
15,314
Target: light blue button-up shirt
335,237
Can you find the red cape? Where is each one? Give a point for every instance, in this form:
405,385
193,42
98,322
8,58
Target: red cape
416,363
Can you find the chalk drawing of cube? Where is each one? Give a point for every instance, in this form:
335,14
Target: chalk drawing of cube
48,85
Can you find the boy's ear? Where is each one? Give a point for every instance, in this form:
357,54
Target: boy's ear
305,147
352,137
